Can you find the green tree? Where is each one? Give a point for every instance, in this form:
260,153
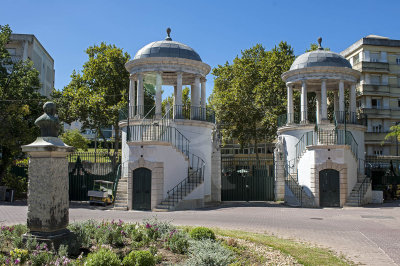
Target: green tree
394,134
97,93
249,94
74,138
20,103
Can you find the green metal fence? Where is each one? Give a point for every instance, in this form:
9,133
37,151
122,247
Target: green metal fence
247,179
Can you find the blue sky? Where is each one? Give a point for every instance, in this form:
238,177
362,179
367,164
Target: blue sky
218,30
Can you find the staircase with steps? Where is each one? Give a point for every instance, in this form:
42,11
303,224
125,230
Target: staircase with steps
161,130
121,197
357,195
298,197
184,188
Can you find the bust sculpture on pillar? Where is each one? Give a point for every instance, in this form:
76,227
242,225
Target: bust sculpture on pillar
48,122
48,188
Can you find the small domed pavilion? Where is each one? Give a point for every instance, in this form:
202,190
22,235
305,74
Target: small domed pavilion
320,157
169,156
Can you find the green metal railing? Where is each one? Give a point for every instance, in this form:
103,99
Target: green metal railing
305,140
177,112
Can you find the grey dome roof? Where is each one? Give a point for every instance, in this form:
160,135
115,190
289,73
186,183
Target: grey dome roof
167,48
320,58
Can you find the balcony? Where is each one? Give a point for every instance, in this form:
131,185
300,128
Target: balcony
374,137
185,112
377,67
381,112
372,89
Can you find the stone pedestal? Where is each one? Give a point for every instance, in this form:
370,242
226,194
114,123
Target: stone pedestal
48,188
279,159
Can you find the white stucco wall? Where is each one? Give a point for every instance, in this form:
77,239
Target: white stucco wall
291,138
175,165
200,138
304,168
352,165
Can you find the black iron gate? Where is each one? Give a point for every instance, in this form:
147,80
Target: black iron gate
83,173
247,179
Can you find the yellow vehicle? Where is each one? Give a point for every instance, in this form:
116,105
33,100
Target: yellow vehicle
102,192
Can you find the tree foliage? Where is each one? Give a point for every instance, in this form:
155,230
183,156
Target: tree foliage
97,93
74,138
394,133
249,94
20,103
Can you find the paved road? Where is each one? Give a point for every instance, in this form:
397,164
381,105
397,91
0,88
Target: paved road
369,235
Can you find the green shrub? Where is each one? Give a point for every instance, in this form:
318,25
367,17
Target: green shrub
177,242
200,233
139,258
103,257
209,252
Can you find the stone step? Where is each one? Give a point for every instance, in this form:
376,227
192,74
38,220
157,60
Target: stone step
121,197
120,208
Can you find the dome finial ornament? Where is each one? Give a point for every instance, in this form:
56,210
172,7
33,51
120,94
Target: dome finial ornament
168,38
319,43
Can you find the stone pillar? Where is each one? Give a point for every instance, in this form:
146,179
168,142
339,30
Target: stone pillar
279,158
48,193
203,101
324,98
140,96
335,102
131,110
158,95
290,114
195,99
303,103
216,169
341,102
178,97
318,107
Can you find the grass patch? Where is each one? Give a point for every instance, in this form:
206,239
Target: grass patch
303,253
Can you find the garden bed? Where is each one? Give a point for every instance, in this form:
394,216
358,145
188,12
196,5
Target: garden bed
152,242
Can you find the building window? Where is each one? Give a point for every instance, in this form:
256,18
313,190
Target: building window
374,57
398,103
398,60
375,79
377,128
376,103
378,151
356,59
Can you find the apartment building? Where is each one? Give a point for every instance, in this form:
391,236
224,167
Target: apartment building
27,46
378,92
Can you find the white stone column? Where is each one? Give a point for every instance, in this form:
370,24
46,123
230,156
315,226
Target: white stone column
197,91
324,97
131,111
203,101
140,95
318,106
341,101
195,98
290,103
303,102
158,95
178,97
335,102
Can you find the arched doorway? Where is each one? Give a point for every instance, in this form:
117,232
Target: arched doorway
329,188
141,199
